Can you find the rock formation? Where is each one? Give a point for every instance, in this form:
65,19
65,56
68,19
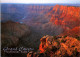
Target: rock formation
11,32
56,46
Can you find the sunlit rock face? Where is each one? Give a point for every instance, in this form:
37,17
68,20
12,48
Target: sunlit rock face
57,46
66,16
64,46
75,32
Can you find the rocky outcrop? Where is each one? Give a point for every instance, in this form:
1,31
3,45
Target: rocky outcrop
56,46
60,47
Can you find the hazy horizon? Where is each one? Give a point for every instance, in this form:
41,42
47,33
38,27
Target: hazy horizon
41,1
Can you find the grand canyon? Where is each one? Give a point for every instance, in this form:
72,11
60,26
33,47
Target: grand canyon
53,30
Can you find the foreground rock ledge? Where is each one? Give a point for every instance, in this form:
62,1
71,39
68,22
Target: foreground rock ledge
55,46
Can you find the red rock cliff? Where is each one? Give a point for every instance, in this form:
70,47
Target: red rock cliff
56,46
60,47
66,16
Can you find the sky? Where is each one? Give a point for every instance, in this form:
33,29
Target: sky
41,1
